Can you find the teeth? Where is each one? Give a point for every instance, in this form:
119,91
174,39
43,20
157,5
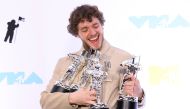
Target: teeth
94,38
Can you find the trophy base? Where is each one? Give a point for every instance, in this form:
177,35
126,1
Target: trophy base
125,104
62,89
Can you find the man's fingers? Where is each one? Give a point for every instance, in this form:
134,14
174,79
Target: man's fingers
130,77
92,93
91,103
93,98
129,83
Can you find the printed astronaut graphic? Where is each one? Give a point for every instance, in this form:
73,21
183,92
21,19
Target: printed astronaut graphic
12,30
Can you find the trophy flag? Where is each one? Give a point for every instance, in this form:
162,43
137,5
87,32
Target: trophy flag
21,19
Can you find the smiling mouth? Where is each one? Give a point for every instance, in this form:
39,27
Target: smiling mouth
94,39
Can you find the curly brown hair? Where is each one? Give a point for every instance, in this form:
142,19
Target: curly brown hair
81,13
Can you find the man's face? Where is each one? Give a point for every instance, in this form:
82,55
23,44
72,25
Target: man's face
91,33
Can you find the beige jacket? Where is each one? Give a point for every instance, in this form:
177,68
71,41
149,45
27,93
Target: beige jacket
111,85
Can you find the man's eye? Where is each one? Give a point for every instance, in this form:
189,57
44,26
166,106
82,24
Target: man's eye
96,26
84,30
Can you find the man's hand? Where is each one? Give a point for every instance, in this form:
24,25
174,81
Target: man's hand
132,86
83,96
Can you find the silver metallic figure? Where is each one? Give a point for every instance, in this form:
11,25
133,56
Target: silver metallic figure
130,66
64,84
97,68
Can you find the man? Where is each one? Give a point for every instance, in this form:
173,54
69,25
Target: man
10,30
86,22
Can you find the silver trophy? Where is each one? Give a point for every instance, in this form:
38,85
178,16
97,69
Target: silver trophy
130,66
65,83
97,68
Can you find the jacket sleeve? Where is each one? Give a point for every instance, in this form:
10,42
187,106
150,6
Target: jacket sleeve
56,100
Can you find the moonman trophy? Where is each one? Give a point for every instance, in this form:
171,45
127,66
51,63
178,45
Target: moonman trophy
64,84
98,74
130,66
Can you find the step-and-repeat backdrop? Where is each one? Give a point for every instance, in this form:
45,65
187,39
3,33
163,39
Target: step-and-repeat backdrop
33,36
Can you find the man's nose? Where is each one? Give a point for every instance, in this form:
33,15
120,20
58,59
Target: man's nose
92,31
